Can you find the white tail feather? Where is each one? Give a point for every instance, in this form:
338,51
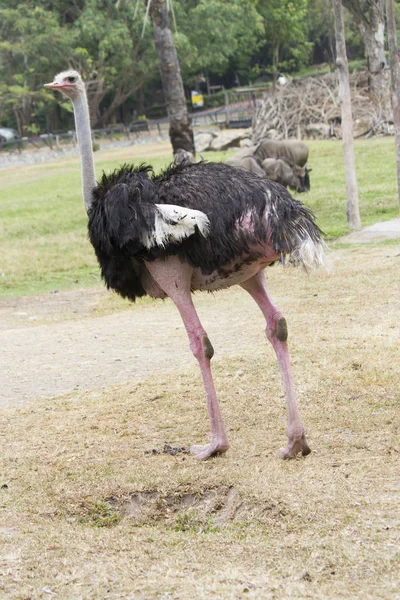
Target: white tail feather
309,254
173,224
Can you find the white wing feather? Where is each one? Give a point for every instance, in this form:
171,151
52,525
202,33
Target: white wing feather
173,224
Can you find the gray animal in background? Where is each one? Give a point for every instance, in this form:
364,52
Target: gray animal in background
293,152
279,170
289,158
246,151
247,163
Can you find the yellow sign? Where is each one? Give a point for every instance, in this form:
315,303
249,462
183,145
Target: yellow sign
197,99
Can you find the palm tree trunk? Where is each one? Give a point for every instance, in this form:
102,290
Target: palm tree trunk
352,210
180,129
395,74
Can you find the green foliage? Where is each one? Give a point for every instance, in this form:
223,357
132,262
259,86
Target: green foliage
109,52
286,30
213,34
26,30
98,39
218,39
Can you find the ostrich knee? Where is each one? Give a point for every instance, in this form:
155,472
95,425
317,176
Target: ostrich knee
277,329
208,350
201,346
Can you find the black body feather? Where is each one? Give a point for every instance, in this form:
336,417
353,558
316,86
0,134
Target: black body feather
124,205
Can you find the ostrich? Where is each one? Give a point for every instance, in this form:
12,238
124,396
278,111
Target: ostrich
203,226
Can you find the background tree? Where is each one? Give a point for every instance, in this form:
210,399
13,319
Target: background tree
286,29
352,210
24,33
103,43
321,32
214,37
395,80
235,42
111,55
180,129
369,17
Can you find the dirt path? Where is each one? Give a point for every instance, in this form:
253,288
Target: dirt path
55,344
52,345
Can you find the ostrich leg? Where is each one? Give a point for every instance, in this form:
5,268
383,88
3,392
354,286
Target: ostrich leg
276,331
174,278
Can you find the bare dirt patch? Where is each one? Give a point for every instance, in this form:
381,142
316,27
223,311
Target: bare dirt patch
79,340
55,307
58,351
187,511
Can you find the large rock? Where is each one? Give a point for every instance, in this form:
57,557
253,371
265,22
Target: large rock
318,130
246,142
229,139
274,134
202,141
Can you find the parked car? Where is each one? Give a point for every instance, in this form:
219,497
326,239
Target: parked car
7,134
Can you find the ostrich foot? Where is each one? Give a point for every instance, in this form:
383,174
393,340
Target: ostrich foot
296,443
212,449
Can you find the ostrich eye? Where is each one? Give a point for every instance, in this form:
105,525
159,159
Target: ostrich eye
71,79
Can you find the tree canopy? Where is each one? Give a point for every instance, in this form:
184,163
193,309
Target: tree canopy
226,42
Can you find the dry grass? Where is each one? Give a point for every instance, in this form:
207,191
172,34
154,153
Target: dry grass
86,513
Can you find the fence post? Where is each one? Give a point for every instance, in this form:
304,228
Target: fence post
227,116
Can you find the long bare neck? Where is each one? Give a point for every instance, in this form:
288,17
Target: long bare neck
82,123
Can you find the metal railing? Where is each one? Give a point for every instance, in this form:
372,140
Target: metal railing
60,141
237,112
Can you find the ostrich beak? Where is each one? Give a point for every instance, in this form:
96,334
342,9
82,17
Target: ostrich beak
55,85
52,85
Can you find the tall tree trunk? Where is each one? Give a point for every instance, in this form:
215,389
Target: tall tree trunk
18,121
369,18
352,211
374,39
395,73
180,129
275,64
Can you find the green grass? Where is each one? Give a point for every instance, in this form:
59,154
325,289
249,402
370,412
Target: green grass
376,175
324,68
43,241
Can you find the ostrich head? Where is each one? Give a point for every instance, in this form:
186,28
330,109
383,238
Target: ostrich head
69,83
